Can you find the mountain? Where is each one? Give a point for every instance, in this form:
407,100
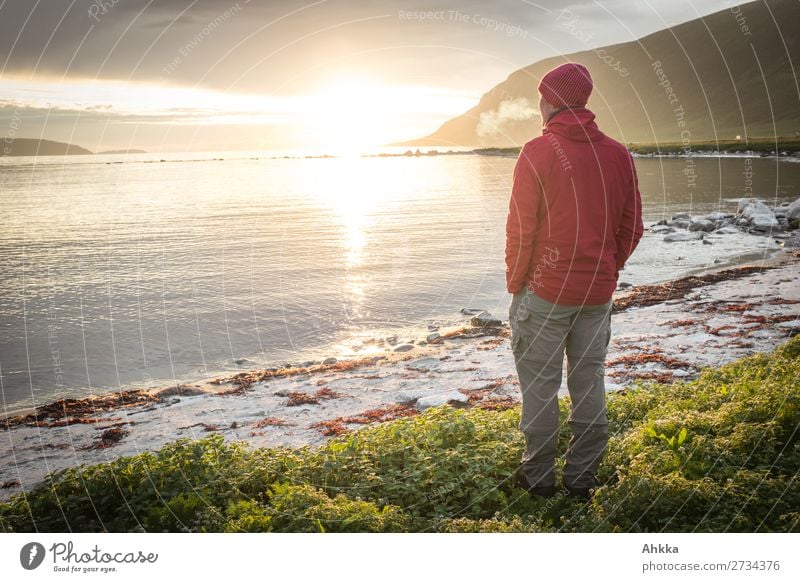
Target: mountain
39,147
729,74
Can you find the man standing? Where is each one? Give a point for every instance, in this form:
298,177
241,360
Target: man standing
574,218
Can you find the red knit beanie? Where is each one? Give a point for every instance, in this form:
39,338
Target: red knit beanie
568,85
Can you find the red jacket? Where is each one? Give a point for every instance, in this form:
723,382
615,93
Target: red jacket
575,214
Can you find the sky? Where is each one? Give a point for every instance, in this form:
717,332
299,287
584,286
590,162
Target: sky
324,75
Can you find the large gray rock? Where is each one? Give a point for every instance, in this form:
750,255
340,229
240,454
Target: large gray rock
485,319
454,398
681,223
661,229
701,224
410,396
681,216
793,212
759,216
684,236
744,203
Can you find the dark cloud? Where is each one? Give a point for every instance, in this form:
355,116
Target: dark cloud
224,43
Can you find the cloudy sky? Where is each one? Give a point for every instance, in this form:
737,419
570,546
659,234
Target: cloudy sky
221,74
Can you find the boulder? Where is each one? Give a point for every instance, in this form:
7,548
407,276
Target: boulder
759,216
681,223
744,203
793,211
715,216
453,397
684,236
485,319
404,348
662,229
681,216
434,338
701,224
408,397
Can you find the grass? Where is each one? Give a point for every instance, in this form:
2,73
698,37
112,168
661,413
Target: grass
717,454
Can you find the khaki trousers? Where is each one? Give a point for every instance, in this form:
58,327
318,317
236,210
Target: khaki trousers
541,333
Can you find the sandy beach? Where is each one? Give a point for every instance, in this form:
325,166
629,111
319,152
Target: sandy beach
663,333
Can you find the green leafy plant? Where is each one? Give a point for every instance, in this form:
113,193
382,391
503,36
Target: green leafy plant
720,453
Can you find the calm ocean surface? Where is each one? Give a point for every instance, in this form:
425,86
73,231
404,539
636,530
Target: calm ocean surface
117,275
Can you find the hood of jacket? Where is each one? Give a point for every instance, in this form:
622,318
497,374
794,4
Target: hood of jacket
575,123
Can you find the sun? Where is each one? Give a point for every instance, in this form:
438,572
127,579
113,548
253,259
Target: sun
351,115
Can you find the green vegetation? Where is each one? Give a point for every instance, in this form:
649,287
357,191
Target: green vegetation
720,453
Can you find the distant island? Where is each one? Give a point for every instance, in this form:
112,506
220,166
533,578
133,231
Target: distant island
46,147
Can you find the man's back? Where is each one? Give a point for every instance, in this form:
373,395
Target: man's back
575,212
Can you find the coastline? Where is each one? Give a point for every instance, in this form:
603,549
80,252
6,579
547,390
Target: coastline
664,332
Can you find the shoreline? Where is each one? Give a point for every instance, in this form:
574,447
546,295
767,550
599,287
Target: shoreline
638,295
663,333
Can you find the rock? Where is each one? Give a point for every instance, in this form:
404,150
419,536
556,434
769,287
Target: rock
792,242
681,373
404,348
485,319
391,340
760,216
281,393
434,338
715,216
661,229
744,203
793,211
662,222
308,363
422,343
242,361
624,285
178,391
681,223
681,216
454,398
702,224
727,230
684,236
433,326
410,397
470,311
329,361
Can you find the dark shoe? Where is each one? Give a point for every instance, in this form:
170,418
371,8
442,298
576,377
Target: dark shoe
584,493
537,490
